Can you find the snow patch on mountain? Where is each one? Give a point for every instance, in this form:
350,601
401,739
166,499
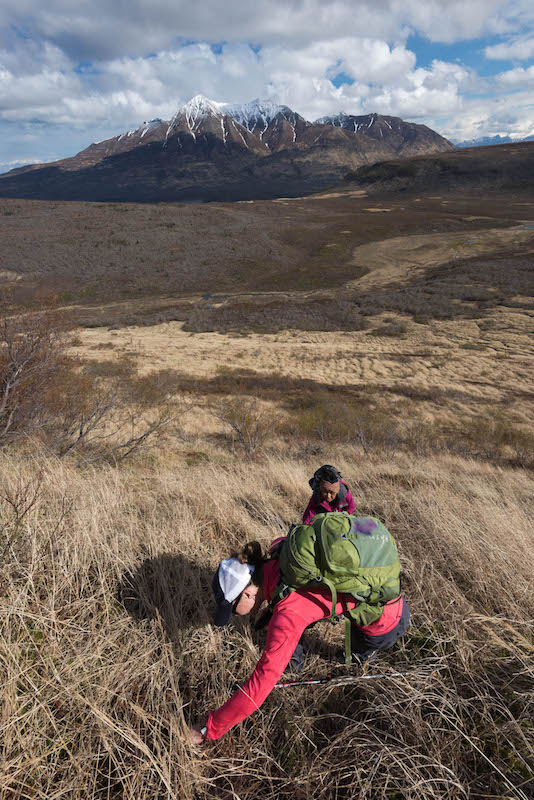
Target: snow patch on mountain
340,120
257,113
195,112
142,130
337,120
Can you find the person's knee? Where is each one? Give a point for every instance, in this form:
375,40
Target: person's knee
404,620
296,662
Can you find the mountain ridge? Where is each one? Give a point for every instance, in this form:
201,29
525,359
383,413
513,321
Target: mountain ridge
506,168
211,150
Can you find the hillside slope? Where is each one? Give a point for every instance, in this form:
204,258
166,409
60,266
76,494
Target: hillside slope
507,167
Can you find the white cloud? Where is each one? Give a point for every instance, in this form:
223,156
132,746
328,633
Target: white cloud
385,80
11,164
143,60
125,91
517,78
521,49
363,59
510,114
103,30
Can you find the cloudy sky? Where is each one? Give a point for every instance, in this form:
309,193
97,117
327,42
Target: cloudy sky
73,71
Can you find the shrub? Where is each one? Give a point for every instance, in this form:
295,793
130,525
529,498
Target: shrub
277,315
112,368
521,442
100,410
488,324
250,422
493,439
391,329
473,346
329,418
32,360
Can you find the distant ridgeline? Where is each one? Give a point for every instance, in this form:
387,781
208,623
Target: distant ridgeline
214,151
509,167
486,141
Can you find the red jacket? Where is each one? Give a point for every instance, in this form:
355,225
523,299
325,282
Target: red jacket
343,502
291,617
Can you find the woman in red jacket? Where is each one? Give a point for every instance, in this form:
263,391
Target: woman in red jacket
330,493
240,585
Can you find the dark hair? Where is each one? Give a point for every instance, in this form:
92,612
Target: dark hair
326,473
252,553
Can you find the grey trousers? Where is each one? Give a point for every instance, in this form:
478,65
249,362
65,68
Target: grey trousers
363,645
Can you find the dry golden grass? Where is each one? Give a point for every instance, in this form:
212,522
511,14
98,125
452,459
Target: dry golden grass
107,652
430,361
404,257
106,648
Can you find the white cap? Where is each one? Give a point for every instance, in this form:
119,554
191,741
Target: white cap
234,577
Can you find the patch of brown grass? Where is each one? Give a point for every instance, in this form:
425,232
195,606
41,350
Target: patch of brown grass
107,652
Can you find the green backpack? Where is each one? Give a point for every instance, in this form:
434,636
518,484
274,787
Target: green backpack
349,555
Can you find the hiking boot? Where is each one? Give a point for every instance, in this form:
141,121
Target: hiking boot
359,659
365,658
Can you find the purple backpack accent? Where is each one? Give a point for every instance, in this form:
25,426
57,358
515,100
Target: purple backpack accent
365,525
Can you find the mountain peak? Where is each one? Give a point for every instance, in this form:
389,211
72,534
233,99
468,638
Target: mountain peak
341,119
199,105
192,114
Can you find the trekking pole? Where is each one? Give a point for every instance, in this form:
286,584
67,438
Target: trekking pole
331,679
339,680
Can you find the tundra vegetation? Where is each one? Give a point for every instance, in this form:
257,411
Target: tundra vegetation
133,458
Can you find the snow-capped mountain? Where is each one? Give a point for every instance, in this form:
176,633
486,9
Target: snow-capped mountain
485,141
144,128
276,125
206,120
214,150
151,131
339,120
256,115
192,116
405,138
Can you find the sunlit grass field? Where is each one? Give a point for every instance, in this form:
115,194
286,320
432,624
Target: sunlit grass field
107,651
411,372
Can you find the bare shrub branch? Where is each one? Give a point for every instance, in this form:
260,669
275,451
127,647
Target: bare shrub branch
251,423
32,355
20,498
101,410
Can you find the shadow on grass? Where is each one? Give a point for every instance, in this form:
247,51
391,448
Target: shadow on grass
299,393
170,588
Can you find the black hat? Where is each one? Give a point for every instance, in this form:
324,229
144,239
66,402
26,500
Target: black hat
326,473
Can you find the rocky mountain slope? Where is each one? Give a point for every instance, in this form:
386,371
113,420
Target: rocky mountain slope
405,138
215,151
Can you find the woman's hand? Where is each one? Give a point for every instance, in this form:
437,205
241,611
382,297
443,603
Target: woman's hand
196,734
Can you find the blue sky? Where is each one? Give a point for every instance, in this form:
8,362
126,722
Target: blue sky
71,74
